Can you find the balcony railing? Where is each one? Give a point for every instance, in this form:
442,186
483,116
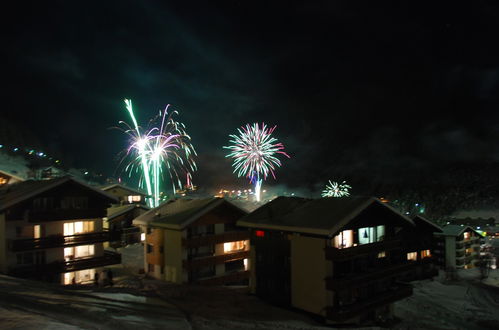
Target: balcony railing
109,258
60,241
64,214
343,313
215,239
333,253
355,279
208,261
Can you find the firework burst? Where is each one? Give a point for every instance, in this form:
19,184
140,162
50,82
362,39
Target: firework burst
335,189
164,147
254,152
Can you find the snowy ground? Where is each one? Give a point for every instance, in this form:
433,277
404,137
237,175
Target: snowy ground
136,302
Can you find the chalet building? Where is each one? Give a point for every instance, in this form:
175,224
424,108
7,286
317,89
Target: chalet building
9,178
420,243
52,230
125,195
339,258
458,247
119,220
195,241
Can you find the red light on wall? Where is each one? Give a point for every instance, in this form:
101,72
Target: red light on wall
259,233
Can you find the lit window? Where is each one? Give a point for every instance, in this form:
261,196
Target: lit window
382,254
235,246
78,227
343,240
412,256
142,237
259,233
425,254
133,198
371,234
246,264
467,235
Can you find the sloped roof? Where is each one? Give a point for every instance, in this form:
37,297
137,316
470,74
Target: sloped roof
323,216
116,211
456,230
12,175
420,220
11,195
117,185
178,213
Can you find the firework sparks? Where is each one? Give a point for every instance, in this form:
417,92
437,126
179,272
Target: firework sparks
165,147
254,153
335,189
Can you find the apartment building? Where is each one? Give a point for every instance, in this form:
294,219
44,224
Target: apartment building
125,195
420,244
340,258
458,247
195,241
52,230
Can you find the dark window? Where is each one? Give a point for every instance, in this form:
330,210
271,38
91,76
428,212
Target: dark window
19,258
79,203
210,229
150,268
28,258
149,231
234,266
161,249
149,248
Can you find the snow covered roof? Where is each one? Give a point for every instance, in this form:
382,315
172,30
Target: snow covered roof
420,220
116,211
179,213
323,216
18,178
11,195
117,185
456,230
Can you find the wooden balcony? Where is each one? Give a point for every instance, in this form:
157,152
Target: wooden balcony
227,278
60,241
346,312
215,239
355,279
109,258
64,214
336,254
214,260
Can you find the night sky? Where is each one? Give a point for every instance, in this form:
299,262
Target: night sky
361,91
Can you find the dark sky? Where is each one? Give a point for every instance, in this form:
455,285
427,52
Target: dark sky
359,90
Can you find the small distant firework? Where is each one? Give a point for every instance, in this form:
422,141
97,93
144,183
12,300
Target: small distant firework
254,152
167,146
335,189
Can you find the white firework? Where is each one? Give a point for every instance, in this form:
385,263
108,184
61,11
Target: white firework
335,189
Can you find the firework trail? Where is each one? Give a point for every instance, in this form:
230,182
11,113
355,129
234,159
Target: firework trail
254,154
335,189
165,147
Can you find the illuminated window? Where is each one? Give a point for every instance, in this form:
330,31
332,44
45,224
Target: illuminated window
371,234
425,254
142,237
235,246
37,231
78,227
3,181
79,252
134,198
467,235
382,254
343,240
412,256
246,264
